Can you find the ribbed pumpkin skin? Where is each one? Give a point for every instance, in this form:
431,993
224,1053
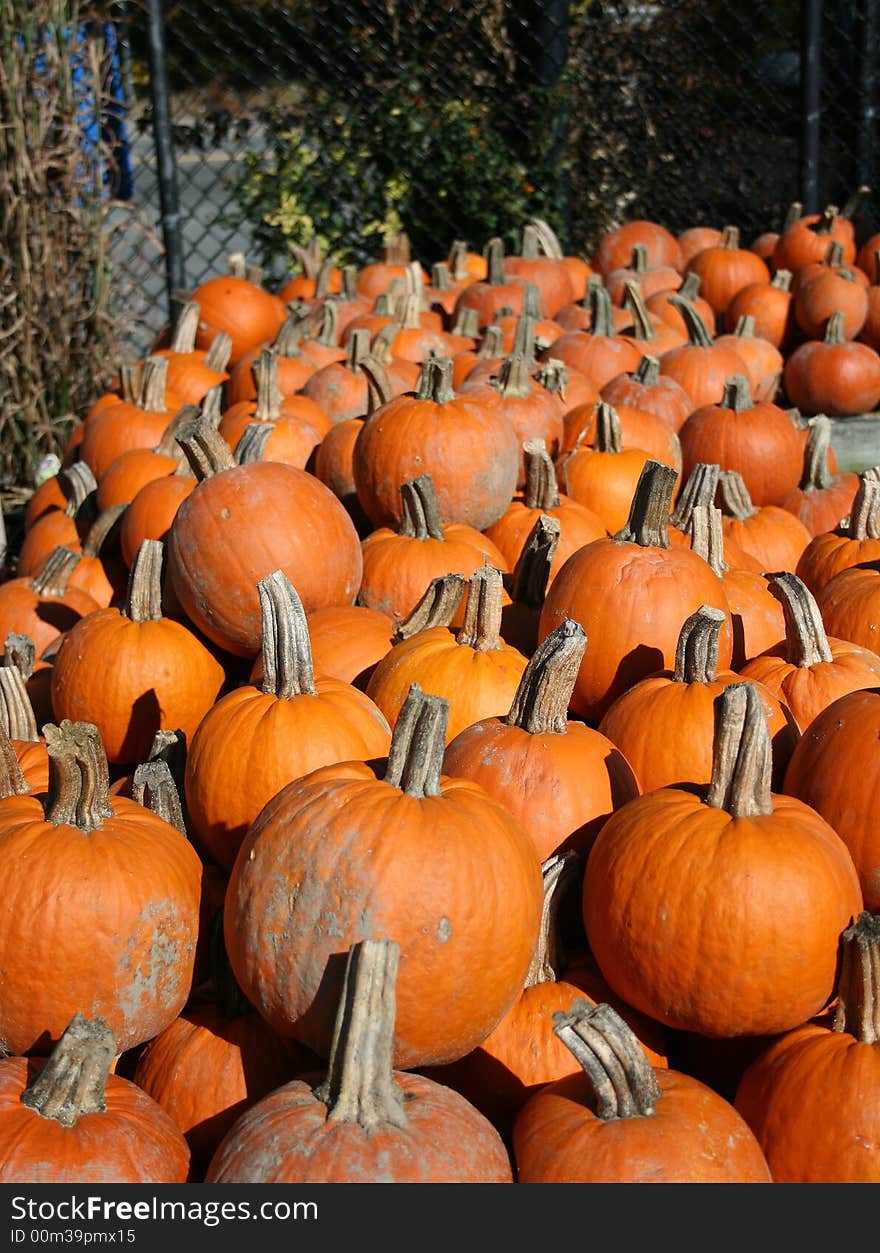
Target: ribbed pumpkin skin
761,444
206,1069
104,924
476,684
685,916
665,729
150,514
693,1136
240,525
807,690
812,1101
43,618
834,770
631,601
773,536
249,315
850,604
287,1138
398,568
831,552
250,745
340,856
561,787
470,451
133,1141
578,525
132,679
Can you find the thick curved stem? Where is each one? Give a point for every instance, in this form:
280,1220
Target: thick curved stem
495,276
806,643
648,371
217,356
559,872
513,378
437,607
286,647
541,489
531,574
435,381
54,577
834,329
379,388
696,653
421,509
143,599
360,1086
153,383
608,436
729,237
648,522
155,789
858,985
741,754
601,315
184,338
358,349
864,517
616,1065
540,705
205,449
251,446
17,719
736,395
700,489
72,1082
80,486
707,536
79,779
12,781
481,629
733,496
817,473
634,301
698,334
168,445
690,285
20,651
418,742
269,394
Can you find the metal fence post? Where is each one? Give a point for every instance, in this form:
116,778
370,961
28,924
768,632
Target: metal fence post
163,141
811,84
867,120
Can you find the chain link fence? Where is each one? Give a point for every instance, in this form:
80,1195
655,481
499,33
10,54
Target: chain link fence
350,121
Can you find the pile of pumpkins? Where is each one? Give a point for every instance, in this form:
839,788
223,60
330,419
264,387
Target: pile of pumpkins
438,721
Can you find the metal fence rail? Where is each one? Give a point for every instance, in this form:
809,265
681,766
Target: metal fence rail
254,124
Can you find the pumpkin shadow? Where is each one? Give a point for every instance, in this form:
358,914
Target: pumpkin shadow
636,665
143,723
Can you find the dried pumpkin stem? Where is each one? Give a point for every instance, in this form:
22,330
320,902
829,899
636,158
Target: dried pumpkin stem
360,1086
184,338
286,647
379,388
153,787
17,718
358,348
12,781
80,486
211,408
492,342
531,305
269,394
792,214
531,574
481,628
218,355
72,1083
782,280
690,286
648,521
548,239
251,446
623,1080
495,276
79,779
441,279
524,338
648,371
806,643
437,607
707,536
559,872
858,984
541,489
153,383
864,518
420,509
698,334
634,301
20,651
513,378
729,237
608,437
54,577
168,445
170,747
205,448
733,496
435,381
130,376
143,597
540,705
286,342
601,313
103,527
741,755
736,395
834,329
467,323
415,758
700,489
696,653
553,377
817,472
